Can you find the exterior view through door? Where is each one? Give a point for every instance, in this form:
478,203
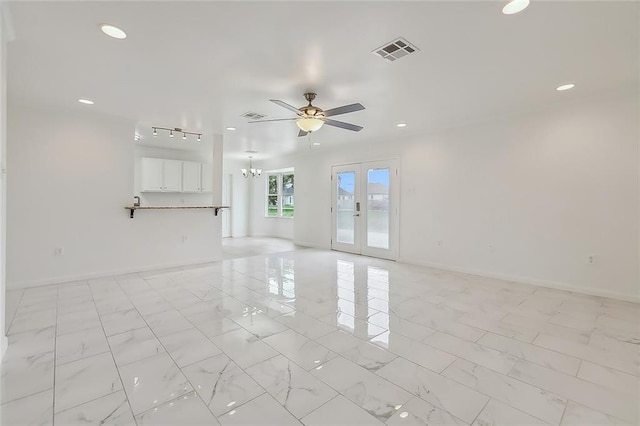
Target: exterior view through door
365,208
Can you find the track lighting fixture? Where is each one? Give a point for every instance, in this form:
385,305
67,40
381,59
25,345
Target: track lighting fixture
177,130
253,172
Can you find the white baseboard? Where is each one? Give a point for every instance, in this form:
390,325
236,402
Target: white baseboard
526,280
104,274
311,245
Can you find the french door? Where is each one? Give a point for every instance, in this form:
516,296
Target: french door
365,208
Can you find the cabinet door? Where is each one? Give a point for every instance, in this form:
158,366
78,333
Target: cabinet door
151,174
191,176
207,178
172,175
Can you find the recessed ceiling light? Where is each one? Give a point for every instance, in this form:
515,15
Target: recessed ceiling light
515,6
316,144
85,101
401,125
565,87
231,129
112,31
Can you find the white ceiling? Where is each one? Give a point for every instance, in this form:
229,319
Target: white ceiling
200,65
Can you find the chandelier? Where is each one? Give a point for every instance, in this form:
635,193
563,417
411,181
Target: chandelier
251,171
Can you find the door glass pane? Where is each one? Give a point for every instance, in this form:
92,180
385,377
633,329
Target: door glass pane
345,220
378,208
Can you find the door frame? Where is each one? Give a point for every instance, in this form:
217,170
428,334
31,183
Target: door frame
225,222
360,245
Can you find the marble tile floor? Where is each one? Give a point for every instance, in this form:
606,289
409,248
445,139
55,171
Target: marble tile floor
317,338
233,248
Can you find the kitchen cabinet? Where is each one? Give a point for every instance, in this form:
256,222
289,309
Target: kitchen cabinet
191,176
160,175
207,178
196,177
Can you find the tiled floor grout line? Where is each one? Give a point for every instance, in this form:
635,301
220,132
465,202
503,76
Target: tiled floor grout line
481,410
299,366
55,353
13,316
166,351
513,378
181,368
124,391
362,340
439,373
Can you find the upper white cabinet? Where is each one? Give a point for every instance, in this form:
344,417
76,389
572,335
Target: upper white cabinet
172,175
162,175
152,174
207,177
191,176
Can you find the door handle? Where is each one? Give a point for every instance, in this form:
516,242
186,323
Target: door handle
357,214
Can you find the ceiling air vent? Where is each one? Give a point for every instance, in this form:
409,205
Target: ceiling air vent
253,115
395,49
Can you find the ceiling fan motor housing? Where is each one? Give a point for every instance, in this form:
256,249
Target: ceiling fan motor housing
310,110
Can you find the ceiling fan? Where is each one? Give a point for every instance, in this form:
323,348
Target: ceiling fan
310,118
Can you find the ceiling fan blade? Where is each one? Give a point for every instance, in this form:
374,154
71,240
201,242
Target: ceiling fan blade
302,133
343,125
285,105
275,119
343,109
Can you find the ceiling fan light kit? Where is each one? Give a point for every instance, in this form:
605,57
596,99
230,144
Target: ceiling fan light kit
309,124
310,118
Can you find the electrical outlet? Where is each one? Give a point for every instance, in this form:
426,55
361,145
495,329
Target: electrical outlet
492,248
439,243
591,259
59,251
184,238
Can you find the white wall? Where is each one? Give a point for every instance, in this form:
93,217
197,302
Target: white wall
240,201
70,176
546,190
260,224
4,38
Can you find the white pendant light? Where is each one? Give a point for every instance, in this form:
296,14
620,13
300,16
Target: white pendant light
309,124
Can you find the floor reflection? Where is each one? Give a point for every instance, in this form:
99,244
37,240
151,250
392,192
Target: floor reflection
280,275
362,293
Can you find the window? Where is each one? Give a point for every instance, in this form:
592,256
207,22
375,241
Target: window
280,188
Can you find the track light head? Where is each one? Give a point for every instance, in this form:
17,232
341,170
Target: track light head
170,133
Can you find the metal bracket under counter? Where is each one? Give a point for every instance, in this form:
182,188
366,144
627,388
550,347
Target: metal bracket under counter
132,209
